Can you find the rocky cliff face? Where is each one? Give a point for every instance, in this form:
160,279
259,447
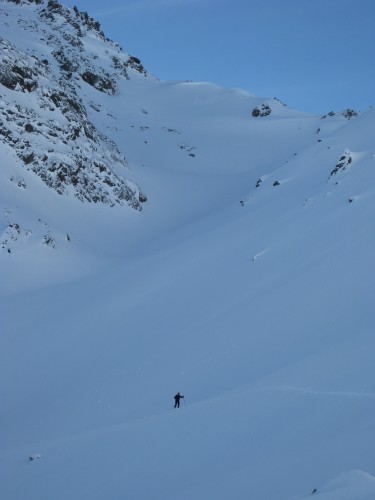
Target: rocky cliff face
43,119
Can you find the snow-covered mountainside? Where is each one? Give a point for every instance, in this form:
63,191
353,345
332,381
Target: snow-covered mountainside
43,118
177,236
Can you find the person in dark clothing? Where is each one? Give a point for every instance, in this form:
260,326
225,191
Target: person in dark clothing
177,400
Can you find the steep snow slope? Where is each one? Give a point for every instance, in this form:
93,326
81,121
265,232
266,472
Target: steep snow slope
246,283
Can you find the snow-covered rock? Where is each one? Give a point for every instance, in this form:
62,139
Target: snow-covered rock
43,119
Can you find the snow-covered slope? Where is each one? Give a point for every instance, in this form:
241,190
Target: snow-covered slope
246,283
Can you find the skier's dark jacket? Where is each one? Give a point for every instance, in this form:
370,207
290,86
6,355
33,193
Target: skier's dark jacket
178,397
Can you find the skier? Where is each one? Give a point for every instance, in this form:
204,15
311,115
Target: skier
177,400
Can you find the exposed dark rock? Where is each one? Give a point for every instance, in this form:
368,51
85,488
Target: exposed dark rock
350,113
90,78
262,110
135,63
343,163
66,64
17,2
68,104
49,241
330,114
103,83
281,102
17,78
28,158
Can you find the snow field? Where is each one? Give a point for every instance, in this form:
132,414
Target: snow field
254,302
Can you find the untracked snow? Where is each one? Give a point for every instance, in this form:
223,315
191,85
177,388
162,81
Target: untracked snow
246,282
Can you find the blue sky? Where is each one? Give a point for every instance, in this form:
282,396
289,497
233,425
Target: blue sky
314,55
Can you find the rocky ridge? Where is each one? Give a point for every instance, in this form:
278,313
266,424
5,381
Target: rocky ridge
43,119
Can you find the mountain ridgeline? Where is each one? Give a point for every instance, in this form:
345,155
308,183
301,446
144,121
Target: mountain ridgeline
43,118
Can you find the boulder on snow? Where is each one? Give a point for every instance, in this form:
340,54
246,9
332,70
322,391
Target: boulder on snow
103,83
17,77
262,110
29,128
343,163
350,113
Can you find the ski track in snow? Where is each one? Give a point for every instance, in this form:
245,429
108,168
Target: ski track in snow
299,390
318,392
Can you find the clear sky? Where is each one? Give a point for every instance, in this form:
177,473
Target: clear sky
314,55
